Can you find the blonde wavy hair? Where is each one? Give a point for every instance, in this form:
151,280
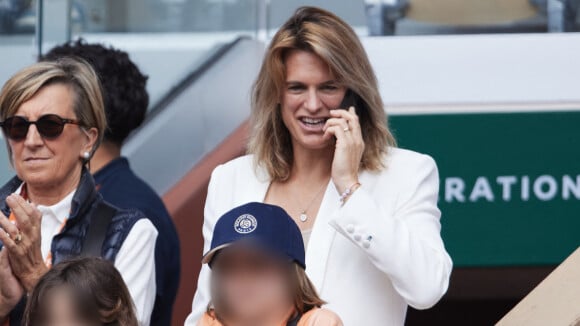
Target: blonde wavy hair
330,38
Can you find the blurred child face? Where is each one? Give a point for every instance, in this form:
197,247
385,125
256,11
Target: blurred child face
60,310
252,284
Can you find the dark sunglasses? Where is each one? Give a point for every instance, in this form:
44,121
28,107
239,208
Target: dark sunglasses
48,126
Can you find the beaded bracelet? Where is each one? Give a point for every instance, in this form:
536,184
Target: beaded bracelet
348,192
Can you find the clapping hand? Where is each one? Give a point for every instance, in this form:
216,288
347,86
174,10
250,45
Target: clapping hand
10,289
22,241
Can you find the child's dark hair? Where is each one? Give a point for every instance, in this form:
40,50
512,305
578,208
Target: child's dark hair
124,86
98,290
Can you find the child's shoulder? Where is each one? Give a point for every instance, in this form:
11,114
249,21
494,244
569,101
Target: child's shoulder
320,317
208,319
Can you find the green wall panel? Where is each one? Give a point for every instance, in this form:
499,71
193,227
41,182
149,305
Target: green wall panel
531,214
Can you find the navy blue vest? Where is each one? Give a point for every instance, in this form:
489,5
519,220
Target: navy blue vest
69,242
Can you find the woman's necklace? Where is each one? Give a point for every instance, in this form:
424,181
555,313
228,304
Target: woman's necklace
303,215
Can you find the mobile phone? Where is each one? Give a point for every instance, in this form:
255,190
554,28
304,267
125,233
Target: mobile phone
350,99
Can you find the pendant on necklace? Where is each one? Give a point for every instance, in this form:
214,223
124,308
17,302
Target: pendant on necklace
303,217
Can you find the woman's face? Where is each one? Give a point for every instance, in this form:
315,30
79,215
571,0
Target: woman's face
45,162
60,310
310,93
252,284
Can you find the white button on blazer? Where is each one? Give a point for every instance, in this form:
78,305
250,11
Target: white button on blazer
370,258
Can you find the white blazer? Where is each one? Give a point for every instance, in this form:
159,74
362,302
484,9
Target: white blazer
370,258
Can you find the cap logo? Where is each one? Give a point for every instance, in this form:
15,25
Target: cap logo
245,224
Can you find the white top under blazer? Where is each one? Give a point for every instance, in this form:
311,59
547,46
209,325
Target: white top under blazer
368,259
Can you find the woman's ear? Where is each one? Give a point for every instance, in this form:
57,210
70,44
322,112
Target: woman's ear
92,135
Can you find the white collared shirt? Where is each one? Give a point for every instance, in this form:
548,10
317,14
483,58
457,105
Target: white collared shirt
53,218
135,260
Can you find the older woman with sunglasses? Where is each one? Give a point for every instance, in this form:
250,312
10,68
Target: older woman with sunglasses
52,118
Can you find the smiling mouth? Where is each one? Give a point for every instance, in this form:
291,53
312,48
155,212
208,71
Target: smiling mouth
313,122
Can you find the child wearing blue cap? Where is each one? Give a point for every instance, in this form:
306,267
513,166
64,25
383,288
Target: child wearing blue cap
258,272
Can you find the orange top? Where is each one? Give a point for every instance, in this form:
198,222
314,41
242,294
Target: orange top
314,317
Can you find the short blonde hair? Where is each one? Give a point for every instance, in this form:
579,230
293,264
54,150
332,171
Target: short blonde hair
76,73
330,38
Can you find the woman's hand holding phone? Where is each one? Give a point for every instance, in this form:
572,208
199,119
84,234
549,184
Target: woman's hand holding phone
349,147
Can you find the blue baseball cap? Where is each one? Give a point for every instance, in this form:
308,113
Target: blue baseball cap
267,226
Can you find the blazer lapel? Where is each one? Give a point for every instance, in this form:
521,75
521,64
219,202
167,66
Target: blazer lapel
257,187
322,236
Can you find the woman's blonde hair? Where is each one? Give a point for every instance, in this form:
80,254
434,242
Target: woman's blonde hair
304,294
75,73
330,38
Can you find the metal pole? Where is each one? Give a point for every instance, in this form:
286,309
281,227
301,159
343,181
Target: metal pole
263,20
38,27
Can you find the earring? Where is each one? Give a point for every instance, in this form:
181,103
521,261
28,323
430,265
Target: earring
86,155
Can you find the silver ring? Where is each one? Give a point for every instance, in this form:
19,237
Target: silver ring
18,238
346,129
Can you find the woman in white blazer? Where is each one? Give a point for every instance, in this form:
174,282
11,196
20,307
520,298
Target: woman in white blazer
367,210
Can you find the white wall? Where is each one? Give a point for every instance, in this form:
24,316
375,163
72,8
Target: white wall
442,73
